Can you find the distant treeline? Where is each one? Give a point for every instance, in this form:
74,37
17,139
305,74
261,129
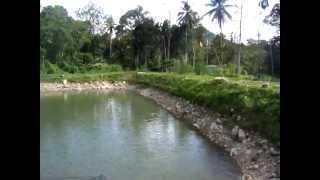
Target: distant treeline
138,42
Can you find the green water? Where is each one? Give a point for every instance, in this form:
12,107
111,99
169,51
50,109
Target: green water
123,136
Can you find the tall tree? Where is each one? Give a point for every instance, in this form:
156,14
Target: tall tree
219,12
274,19
186,18
131,21
110,27
92,14
239,50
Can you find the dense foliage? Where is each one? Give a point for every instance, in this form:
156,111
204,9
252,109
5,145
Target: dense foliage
138,42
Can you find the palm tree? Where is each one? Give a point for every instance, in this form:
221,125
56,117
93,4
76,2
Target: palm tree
187,18
110,26
219,13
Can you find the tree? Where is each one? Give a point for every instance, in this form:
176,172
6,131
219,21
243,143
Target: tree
110,26
129,23
218,12
186,18
263,3
92,14
274,17
239,50
274,20
54,31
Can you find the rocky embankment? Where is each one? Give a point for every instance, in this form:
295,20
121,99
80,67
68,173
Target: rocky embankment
257,158
97,85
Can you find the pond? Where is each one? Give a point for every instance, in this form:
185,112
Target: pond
123,136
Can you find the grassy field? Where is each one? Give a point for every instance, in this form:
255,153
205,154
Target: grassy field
258,104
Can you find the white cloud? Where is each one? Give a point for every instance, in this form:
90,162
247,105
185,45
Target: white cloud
159,10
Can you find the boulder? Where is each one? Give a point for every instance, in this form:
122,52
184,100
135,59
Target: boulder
196,125
214,126
241,134
178,107
233,152
234,131
219,120
246,177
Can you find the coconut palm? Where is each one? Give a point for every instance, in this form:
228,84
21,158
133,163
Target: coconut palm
219,12
187,18
110,26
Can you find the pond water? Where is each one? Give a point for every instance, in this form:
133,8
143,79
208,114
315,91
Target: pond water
123,136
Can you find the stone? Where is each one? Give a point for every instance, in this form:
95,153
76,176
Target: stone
214,126
273,152
238,118
234,131
178,107
246,177
219,120
233,152
196,125
241,134
64,82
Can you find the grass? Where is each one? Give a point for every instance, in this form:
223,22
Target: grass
259,106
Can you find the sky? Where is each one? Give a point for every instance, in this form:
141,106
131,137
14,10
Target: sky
252,14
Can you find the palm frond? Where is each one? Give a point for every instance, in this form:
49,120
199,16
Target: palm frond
227,13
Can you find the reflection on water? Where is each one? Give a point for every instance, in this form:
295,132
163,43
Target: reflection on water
121,136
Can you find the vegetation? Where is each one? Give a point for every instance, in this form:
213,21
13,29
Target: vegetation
138,42
97,48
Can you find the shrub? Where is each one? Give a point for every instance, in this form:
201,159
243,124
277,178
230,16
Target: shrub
181,67
68,67
52,69
86,58
201,69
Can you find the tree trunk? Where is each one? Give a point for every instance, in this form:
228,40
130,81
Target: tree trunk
221,51
186,53
137,59
238,62
239,50
271,58
110,48
207,52
194,58
169,39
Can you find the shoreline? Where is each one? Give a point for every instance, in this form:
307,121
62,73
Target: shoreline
257,158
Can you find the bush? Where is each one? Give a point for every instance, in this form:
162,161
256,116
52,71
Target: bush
201,69
70,68
52,69
100,68
86,58
181,67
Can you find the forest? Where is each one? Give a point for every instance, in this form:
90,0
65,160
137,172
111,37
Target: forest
95,43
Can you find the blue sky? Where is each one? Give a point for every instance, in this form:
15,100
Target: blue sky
163,9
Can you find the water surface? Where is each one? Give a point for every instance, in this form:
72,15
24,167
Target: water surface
123,136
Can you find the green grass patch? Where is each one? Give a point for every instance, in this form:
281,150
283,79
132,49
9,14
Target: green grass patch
260,106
